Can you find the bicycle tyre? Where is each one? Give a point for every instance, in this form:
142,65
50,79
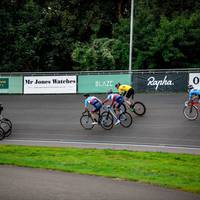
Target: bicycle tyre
122,108
6,125
126,119
190,112
86,122
106,120
139,108
2,134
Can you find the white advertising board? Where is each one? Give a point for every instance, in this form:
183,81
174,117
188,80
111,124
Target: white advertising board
194,79
49,84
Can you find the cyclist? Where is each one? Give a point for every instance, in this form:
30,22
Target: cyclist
126,90
194,94
114,98
95,102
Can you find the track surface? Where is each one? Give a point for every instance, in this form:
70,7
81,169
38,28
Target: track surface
56,117
30,184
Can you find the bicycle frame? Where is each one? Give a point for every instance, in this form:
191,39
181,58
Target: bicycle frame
191,103
90,115
109,109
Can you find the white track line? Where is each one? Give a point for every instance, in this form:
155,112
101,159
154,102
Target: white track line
105,145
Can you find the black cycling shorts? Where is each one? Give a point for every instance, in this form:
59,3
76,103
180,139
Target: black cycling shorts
130,93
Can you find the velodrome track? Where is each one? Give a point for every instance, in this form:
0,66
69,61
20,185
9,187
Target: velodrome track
55,118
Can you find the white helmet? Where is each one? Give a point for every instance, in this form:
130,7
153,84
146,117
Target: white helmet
110,91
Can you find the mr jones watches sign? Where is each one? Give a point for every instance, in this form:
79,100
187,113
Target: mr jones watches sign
170,82
49,84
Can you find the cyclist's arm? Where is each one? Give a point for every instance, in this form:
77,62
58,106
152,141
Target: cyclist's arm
120,91
123,93
99,100
104,101
86,106
113,101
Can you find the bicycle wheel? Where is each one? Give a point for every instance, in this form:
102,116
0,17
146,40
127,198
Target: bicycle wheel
138,108
190,112
122,108
106,120
86,122
6,125
125,119
2,134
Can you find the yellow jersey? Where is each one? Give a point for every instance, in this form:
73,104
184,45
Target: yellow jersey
124,88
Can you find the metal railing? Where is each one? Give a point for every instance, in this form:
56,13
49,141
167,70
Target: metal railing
103,72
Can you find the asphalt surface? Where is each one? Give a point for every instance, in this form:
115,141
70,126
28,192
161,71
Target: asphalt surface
30,184
53,120
56,118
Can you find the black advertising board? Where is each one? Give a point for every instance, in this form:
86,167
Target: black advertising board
160,82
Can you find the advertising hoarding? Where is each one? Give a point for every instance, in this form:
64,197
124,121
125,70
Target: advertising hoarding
49,84
160,82
101,83
11,84
194,79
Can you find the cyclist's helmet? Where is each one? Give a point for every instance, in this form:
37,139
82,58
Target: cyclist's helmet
190,87
86,95
110,91
117,85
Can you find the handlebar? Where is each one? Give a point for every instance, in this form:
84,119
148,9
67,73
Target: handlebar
106,107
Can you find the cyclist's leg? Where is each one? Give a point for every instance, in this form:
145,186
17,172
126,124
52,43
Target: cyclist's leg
95,111
125,97
119,102
130,95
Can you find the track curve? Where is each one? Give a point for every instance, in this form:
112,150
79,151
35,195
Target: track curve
56,118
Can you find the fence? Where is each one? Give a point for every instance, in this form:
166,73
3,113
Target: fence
167,80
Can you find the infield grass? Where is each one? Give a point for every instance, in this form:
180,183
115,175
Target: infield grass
178,171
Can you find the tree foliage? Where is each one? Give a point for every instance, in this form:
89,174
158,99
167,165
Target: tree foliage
60,35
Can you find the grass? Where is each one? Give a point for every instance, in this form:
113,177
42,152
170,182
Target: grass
179,171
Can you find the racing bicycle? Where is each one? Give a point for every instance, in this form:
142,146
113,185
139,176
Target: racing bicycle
137,107
5,124
2,134
191,109
125,118
105,120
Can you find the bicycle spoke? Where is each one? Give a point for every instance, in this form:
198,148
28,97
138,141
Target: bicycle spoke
106,120
86,122
190,112
125,120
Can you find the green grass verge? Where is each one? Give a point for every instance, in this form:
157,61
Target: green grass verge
180,171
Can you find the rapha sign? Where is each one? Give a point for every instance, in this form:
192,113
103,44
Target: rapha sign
152,81
160,82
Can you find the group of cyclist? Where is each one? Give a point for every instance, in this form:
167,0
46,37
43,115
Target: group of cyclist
125,93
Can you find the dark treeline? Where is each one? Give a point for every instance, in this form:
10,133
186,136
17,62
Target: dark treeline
65,35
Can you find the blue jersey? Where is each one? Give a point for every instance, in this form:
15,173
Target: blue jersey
194,92
115,98
92,101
